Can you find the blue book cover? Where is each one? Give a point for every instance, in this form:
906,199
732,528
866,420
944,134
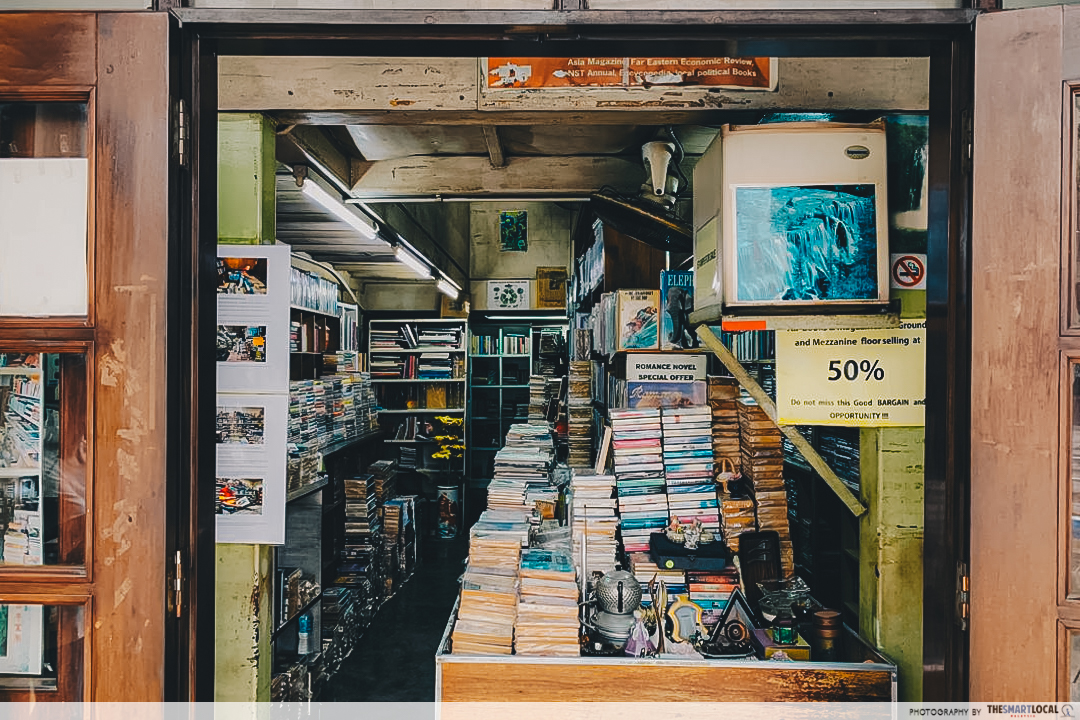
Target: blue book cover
676,304
649,394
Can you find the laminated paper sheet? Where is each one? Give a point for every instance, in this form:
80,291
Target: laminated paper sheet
43,232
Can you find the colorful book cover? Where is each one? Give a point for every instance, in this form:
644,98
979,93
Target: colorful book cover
636,319
665,394
676,304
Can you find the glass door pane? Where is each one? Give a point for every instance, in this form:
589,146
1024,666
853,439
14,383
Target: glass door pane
41,650
43,458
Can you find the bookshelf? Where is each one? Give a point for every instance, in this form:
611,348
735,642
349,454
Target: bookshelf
419,371
331,431
503,355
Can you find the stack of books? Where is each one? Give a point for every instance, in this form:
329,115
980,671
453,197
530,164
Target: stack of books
489,588
645,570
390,367
763,471
434,336
388,339
723,397
363,526
736,517
639,474
524,463
537,398
711,591
594,523
579,406
385,474
547,612
435,366
688,466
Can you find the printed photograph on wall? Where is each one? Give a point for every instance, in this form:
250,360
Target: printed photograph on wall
550,287
241,343
508,295
514,231
806,243
239,496
241,276
241,425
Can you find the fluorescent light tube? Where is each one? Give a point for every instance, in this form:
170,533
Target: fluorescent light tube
447,288
412,262
338,210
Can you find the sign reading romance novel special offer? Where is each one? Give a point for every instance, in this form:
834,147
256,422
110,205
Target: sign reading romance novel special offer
860,378
665,367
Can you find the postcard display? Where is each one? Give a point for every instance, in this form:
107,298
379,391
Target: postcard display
252,392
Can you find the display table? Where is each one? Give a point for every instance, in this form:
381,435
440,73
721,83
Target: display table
867,677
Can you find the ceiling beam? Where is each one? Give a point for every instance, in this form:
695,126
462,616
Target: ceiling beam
494,146
619,116
352,90
474,176
310,145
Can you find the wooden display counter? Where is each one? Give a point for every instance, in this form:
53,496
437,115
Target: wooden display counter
867,677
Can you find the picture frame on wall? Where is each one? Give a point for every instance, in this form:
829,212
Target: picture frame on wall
508,295
812,233
550,288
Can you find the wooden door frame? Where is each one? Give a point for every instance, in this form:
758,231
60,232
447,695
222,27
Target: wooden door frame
944,36
49,56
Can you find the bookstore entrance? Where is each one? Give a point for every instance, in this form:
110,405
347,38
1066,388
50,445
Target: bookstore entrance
436,187
549,294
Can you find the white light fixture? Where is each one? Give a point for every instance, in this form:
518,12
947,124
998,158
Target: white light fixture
411,261
551,318
447,288
338,210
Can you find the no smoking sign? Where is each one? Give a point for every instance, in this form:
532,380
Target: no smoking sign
907,271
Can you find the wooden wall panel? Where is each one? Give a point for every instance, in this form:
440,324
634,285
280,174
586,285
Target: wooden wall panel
1015,281
47,49
132,272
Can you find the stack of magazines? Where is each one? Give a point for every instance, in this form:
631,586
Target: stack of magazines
547,612
688,465
594,523
489,588
639,473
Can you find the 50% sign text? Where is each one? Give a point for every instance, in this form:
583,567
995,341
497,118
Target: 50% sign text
853,370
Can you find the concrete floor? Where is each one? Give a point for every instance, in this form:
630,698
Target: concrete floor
395,659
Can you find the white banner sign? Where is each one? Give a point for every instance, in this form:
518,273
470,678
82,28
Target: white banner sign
665,367
857,378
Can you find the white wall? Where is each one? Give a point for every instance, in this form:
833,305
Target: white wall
549,245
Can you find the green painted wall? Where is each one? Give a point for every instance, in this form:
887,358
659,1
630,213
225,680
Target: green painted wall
242,622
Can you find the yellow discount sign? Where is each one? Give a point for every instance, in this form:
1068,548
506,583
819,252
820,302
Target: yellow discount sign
863,378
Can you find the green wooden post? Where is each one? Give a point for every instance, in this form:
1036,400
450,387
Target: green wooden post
891,552
242,623
246,183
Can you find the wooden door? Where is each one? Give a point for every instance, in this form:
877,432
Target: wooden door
84,154
1025,582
